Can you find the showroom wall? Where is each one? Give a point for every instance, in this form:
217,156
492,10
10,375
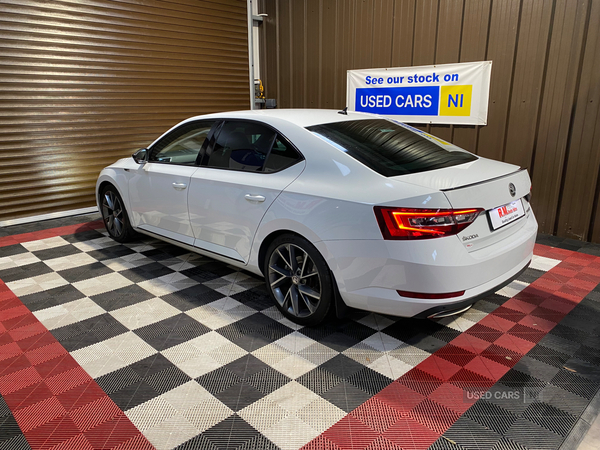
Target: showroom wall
545,87
85,82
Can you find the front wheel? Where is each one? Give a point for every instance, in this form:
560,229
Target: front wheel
115,215
298,279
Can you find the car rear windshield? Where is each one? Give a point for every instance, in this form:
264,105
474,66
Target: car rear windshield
389,148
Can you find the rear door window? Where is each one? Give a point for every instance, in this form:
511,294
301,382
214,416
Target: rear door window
389,148
250,147
241,145
282,155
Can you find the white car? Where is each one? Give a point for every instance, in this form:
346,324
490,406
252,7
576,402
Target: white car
334,209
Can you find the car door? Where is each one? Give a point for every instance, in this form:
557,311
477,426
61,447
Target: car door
243,171
158,189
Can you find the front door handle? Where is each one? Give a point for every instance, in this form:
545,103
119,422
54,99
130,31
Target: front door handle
179,186
254,198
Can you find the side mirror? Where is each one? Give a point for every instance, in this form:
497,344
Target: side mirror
140,156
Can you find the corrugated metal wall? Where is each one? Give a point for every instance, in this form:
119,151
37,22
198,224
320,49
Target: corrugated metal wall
545,88
85,82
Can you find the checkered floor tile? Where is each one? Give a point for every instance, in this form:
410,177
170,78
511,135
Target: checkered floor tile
104,345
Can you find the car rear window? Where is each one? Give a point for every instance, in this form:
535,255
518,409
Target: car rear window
389,148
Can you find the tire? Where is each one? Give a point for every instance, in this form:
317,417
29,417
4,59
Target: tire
298,280
115,215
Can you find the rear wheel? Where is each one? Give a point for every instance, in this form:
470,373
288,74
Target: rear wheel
115,215
298,279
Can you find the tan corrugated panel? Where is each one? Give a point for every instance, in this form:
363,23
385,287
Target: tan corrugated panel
580,193
345,43
426,19
329,83
284,54
557,105
403,33
501,50
313,53
85,82
448,47
525,100
383,25
473,46
363,34
543,112
449,30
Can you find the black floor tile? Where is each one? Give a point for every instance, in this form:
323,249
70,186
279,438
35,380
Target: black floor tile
172,331
192,297
88,332
9,428
551,418
369,381
133,395
219,380
56,252
51,297
111,252
146,272
234,433
238,396
491,416
167,379
83,236
533,436
12,250
346,396
575,383
267,380
85,272
18,442
122,297
470,435
26,271
256,298
537,369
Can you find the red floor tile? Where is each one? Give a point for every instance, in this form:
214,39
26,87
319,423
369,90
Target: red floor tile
411,435
400,397
452,397
439,367
376,414
350,433
39,413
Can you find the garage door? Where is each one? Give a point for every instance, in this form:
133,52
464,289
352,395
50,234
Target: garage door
85,82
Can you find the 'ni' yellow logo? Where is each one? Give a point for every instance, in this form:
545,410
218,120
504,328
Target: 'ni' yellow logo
456,100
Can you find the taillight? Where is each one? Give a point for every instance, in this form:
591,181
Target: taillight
413,223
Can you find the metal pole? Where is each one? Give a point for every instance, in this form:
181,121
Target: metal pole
251,52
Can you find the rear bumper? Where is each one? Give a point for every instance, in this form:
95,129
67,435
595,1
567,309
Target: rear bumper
369,273
448,307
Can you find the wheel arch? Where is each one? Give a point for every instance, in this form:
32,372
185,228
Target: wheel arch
266,242
110,177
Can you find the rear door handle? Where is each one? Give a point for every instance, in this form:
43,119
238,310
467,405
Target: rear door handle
254,198
179,186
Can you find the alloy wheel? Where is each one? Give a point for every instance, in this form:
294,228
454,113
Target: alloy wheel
112,212
294,280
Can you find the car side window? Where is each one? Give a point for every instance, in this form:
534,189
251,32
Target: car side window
241,146
282,155
182,145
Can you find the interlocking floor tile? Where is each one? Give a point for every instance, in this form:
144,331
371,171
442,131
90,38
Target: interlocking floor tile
197,356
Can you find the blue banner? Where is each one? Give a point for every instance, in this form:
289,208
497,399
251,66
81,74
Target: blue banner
399,101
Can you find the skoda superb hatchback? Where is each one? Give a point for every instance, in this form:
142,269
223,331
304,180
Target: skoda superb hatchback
332,209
